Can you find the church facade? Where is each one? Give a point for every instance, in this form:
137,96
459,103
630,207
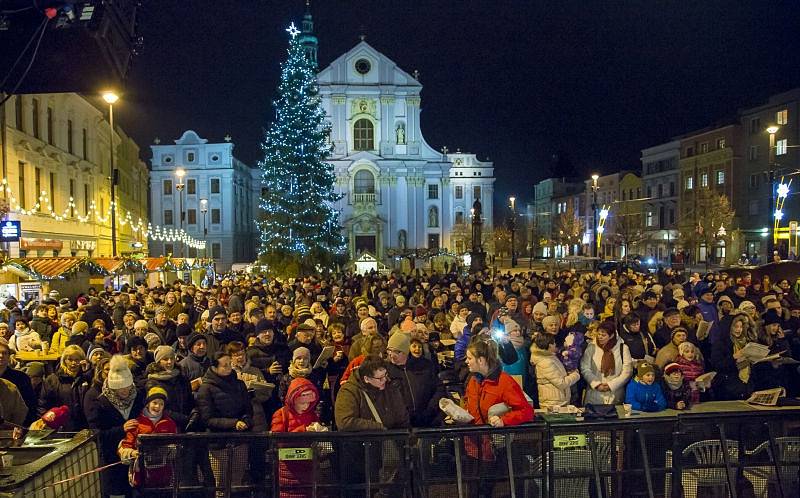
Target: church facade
398,192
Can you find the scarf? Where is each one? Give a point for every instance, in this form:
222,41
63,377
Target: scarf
153,418
607,364
673,384
163,375
296,372
123,405
744,371
517,341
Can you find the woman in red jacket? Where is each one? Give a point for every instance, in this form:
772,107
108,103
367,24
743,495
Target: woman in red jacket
297,415
492,397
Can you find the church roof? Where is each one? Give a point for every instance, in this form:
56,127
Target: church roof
333,74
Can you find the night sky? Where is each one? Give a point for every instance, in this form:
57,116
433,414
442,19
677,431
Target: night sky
523,83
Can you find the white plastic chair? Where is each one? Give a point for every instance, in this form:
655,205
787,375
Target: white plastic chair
763,476
567,461
706,452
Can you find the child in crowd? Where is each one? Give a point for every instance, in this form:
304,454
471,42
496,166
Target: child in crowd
691,367
152,420
553,380
676,388
643,393
416,348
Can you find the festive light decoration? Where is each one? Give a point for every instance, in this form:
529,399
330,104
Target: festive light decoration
783,193
300,222
70,215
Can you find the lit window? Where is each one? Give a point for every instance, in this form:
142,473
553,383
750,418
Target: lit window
704,179
755,126
781,147
720,143
363,135
704,147
782,117
720,177
689,183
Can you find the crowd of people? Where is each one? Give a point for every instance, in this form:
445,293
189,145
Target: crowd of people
376,352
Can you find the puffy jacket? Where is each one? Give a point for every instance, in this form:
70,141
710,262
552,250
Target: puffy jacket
590,369
12,406
497,387
223,401
60,340
421,390
353,412
179,392
286,419
646,398
24,340
42,326
554,384
59,388
155,473
193,367
683,393
710,314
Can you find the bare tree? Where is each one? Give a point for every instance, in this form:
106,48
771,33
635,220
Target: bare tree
568,229
502,240
713,219
629,231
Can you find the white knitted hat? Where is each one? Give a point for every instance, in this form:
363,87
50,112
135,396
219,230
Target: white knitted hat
119,374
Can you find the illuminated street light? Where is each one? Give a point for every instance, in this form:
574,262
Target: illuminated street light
110,97
773,129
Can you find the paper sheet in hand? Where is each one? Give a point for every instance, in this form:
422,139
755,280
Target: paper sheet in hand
327,352
702,329
705,379
754,351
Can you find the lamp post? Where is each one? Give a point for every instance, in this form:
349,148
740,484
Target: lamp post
204,210
595,188
772,130
180,173
111,98
513,227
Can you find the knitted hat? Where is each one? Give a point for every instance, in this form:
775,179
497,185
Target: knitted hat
724,299
79,327
119,375
310,323
400,341
94,348
367,321
643,369
57,417
216,310
400,300
155,392
670,312
705,289
302,310
183,330
747,305
35,369
135,342
420,311
301,352
540,307
676,330
152,339
671,368
162,310
162,352
193,338
551,320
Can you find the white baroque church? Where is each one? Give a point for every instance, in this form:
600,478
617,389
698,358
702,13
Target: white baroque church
398,192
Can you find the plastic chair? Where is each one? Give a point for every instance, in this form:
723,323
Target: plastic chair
763,476
570,461
706,453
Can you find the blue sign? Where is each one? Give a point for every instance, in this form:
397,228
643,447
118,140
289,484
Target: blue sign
10,231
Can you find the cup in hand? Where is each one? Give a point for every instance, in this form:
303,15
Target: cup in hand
628,408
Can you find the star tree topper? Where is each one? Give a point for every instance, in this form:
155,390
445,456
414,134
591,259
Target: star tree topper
292,30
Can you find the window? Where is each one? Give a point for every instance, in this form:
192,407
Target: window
215,185
650,218
754,181
216,250
70,138
216,216
781,147
459,217
753,207
168,217
72,197
753,152
720,177
53,191
167,187
35,111
22,200
649,191
191,216
689,182
671,216
433,191
364,182
459,192
623,195
782,117
755,125
671,189
169,249
433,241
660,190
86,199
689,151
190,157
18,113
38,182
50,138
720,143
704,147
704,179
363,135
476,192
191,186
85,145
433,217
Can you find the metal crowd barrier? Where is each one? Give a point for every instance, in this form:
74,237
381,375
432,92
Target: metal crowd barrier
689,455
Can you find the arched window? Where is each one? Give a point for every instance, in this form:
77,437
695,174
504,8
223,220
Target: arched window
433,217
364,182
363,135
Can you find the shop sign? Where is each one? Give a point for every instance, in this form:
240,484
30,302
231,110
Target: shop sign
83,245
30,291
10,231
41,244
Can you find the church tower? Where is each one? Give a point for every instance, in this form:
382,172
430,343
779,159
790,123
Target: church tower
307,38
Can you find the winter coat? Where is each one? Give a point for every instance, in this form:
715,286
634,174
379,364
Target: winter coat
92,313
554,384
59,341
262,356
710,314
193,367
258,397
223,401
572,350
154,471
12,407
42,326
683,393
179,391
23,384
353,413
590,369
646,398
24,340
59,388
292,473
106,419
421,389
639,344
727,384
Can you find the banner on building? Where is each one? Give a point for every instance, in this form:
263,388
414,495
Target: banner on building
10,231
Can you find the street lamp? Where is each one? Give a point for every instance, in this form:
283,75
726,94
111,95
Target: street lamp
204,210
513,227
111,98
595,188
772,130
180,173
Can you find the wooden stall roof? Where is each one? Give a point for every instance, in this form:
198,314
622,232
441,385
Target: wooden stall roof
54,267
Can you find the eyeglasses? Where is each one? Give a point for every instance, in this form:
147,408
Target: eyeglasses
379,379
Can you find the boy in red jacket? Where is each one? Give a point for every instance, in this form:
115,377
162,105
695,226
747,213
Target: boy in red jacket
152,420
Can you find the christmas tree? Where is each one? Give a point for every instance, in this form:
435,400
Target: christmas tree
300,228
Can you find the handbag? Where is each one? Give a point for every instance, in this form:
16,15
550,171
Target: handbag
600,411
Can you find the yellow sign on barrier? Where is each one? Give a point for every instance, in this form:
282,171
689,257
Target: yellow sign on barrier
569,441
295,454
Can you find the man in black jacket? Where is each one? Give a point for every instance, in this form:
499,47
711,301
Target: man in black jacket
20,380
418,382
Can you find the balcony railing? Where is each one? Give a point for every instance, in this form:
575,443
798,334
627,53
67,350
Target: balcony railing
365,199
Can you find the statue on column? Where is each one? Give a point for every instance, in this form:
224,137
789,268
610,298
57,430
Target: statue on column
477,255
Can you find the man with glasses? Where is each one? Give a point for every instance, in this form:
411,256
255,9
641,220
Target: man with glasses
417,380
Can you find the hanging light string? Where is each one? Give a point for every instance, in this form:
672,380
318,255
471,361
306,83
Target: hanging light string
140,227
